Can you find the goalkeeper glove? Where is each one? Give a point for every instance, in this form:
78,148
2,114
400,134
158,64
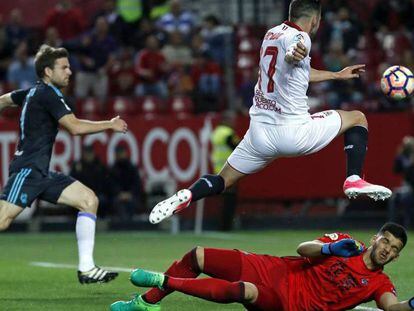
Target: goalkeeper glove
343,248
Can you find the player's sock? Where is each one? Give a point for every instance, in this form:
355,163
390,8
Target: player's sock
356,140
211,289
187,267
85,234
206,186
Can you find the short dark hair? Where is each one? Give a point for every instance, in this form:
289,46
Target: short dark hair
303,8
46,57
396,230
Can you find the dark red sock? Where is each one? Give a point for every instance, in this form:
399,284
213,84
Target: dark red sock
210,289
187,267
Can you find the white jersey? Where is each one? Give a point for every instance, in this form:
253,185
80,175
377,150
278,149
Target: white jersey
280,92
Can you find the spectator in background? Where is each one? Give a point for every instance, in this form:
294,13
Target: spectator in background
15,30
151,67
68,20
96,55
52,38
109,12
126,188
404,165
333,60
130,12
342,29
21,73
176,52
122,76
224,140
90,171
213,35
206,75
198,45
180,82
177,20
245,91
146,29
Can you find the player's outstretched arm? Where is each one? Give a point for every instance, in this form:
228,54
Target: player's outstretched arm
389,302
341,248
6,101
77,126
347,73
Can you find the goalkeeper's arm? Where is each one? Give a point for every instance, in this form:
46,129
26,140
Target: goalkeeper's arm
389,302
341,248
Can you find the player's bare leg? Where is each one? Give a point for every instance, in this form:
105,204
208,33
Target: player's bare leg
8,212
355,129
206,186
84,199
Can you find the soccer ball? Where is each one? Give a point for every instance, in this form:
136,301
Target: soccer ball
397,82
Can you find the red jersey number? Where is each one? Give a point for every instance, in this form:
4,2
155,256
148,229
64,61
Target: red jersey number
272,51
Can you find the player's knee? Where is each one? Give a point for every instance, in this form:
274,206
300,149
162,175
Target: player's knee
200,257
4,223
250,292
3,226
90,203
359,118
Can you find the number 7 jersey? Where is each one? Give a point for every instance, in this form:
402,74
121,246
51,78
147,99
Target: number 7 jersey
280,92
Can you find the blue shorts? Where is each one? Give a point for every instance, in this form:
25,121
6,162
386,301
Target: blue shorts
25,186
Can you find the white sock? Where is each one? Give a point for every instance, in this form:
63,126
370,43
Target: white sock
85,234
353,178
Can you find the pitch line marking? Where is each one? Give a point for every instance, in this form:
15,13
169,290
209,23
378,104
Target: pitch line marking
67,266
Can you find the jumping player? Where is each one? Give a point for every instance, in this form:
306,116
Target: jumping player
334,272
43,110
280,124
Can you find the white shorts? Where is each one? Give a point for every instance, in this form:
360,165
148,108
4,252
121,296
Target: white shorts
264,142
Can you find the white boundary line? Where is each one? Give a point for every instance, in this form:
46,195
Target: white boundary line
67,266
366,308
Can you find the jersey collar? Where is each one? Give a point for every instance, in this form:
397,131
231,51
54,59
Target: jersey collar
293,25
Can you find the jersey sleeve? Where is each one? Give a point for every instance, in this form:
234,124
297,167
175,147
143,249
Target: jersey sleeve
333,237
292,40
56,106
18,96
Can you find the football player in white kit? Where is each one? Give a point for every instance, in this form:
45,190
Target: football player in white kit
280,124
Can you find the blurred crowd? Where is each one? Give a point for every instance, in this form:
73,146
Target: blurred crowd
161,50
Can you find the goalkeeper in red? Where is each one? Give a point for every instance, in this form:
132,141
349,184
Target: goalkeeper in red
334,272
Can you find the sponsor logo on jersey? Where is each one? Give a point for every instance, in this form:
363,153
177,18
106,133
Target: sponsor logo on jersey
264,103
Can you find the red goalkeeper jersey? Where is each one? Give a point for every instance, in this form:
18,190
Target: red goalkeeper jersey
334,283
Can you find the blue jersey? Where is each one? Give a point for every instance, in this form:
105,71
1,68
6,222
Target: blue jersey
42,107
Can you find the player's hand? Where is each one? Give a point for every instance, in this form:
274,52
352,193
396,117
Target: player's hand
350,72
119,125
343,248
298,53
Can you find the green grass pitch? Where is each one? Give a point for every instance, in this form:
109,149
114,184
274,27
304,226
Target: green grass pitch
27,287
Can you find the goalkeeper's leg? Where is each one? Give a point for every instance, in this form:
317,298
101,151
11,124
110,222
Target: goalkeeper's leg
219,263
211,289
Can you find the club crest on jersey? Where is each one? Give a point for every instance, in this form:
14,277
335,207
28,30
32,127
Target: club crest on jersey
332,236
23,198
364,282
